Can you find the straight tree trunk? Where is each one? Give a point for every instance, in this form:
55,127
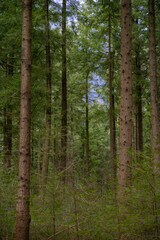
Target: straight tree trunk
64,94
73,177
87,128
112,118
23,216
124,166
48,102
153,87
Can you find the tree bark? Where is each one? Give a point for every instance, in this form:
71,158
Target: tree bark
153,87
124,168
23,216
64,94
48,102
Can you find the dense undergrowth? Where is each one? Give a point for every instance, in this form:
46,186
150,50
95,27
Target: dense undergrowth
88,210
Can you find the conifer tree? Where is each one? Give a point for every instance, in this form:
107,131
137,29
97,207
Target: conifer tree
23,216
64,93
48,100
124,165
153,86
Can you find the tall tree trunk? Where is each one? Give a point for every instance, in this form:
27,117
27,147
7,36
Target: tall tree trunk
64,94
48,102
23,216
111,114
73,177
153,87
87,128
124,168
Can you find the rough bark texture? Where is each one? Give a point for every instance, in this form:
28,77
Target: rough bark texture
153,86
48,102
111,111
64,94
124,166
87,129
23,217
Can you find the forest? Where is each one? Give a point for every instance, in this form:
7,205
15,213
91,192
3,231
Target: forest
79,120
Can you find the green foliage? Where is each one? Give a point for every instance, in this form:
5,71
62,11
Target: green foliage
8,191
87,52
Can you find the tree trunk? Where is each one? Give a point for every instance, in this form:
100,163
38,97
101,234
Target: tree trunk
153,87
23,216
73,177
124,168
87,128
48,102
64,94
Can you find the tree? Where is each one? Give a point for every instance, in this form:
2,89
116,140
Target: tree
153,86
124,166
23,216
48,100
64,93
